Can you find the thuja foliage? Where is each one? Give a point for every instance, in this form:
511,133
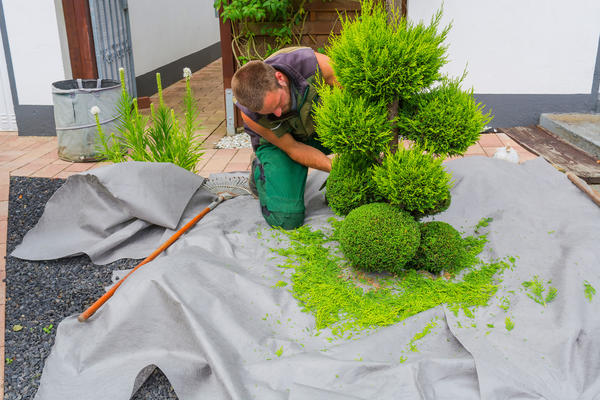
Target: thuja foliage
347,123
588,290
379,59
535,291
444,120
350,183
379,237
334,294
161,138
414,180
441,248
382,57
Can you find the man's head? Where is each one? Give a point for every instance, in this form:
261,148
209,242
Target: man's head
261,88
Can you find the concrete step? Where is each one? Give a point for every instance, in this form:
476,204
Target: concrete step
581,130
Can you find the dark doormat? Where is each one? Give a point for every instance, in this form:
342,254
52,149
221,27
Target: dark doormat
562,154
40,294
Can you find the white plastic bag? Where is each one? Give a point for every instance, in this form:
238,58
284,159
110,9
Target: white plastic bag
507,153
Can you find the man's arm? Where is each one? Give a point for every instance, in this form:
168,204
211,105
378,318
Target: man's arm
297,151
326,69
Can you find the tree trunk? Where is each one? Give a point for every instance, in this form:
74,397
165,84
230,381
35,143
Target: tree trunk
393,7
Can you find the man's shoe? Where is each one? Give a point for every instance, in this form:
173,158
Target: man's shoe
251,181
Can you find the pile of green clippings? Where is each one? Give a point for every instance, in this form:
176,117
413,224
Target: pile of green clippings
349,302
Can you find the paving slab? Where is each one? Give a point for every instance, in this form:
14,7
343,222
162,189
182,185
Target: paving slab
581,130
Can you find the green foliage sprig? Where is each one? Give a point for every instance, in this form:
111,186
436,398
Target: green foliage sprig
509,324
589,290
414,180
383,58
444,120
535,291
160,138
347,123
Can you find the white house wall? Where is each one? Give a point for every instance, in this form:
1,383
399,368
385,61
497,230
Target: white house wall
8,120
164,31
524,57
519,46
36,54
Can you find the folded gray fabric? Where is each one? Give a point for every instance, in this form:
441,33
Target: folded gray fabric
209,315
117,211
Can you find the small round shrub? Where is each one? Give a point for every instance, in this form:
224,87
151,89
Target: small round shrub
441,248
350,183
347,123
414,181
445,120
384,57
379,237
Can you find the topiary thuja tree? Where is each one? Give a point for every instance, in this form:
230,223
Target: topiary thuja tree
390,81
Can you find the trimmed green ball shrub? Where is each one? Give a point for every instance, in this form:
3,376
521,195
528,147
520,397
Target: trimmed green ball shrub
350,183
414,181
382,61
347,123
378,237
441,248
444,120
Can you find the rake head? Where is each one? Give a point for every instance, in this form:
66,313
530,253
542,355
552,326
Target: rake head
231,184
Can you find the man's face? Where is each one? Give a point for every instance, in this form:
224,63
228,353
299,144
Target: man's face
277,101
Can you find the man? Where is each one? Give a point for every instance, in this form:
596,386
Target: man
276,98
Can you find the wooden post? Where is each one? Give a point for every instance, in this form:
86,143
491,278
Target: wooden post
80,38
228,62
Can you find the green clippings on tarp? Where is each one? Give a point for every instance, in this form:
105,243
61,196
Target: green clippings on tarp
280,284
483,222
345,300
504,303
420,335
588,290
468,312
279,351
509,324
535,291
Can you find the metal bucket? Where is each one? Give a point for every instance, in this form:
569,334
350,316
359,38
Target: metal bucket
75,125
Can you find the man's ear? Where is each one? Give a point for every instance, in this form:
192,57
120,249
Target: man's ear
280,78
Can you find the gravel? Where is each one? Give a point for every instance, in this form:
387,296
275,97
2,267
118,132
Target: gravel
39,294
237,141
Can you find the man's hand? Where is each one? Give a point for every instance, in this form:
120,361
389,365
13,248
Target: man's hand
301,153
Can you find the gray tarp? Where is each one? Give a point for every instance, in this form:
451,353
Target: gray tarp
208,315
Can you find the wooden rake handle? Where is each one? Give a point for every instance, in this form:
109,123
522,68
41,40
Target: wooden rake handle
98,303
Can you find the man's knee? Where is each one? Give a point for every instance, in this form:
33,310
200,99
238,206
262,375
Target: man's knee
283,220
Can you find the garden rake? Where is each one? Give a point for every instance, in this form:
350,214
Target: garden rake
224,187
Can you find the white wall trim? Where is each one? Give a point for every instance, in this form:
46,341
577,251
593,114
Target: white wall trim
8,120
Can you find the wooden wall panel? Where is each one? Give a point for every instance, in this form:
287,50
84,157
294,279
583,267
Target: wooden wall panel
78,25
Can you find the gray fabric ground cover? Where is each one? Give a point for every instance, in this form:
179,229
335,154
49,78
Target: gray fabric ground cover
42,293
210,315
